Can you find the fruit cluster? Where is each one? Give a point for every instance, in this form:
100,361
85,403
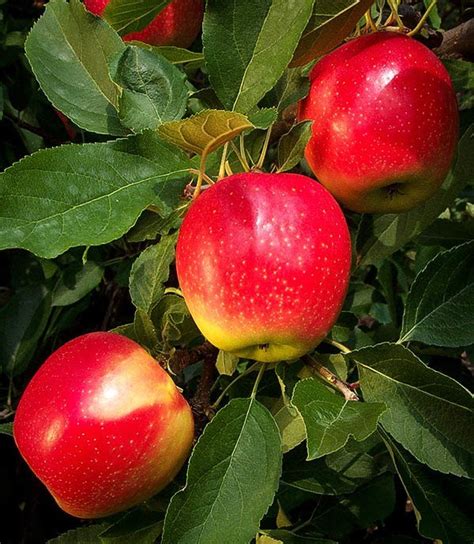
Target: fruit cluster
263,261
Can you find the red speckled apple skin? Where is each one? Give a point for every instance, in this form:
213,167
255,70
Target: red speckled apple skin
102,425
264,259
178,24
384,113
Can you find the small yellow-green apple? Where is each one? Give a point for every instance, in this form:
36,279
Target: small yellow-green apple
177,24
102,425
385,123
263,262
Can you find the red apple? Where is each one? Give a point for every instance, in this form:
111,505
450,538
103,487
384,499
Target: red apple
385,123
177,24
102,425
263,262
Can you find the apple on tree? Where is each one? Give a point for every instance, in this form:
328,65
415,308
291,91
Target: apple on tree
102,425
263,261
178,24
385,123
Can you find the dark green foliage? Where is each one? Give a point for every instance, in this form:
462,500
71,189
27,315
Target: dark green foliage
91,200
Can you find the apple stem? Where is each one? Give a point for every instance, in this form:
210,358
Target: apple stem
422,21
338,345
220,398
201,174
331,378
263,154
394,8
204,176
243,152
370,21
223,161
257,381
242,158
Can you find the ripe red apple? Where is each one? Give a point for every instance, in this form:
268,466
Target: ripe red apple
177,24
263,262
102,425
385,123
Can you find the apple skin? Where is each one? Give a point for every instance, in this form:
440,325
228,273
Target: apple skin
178,24
102,425
385,123
263,261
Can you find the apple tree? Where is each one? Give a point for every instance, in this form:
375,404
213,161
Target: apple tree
257,212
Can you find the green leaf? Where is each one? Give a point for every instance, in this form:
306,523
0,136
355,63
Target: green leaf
443,504
176,55
87,194
446,233
429,413
153,90
248,45
132,15
462,75
265,539
150,225
226,363
439,306
330,420
331,22
6,428
76,282
22,322
263,118
292,145
139,527
206,131
144,331
286,415
290,423
232,477
434,17
69,50
338,473
288,537
149,273
382,235
369,504
343,331
83,535
173,319
290,88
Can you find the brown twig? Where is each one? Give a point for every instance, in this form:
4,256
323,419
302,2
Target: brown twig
201,401
282,126
458,41
331,378
183,358
113,292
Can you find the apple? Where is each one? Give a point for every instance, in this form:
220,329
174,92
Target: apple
102,425
178,24
385,123
263,261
